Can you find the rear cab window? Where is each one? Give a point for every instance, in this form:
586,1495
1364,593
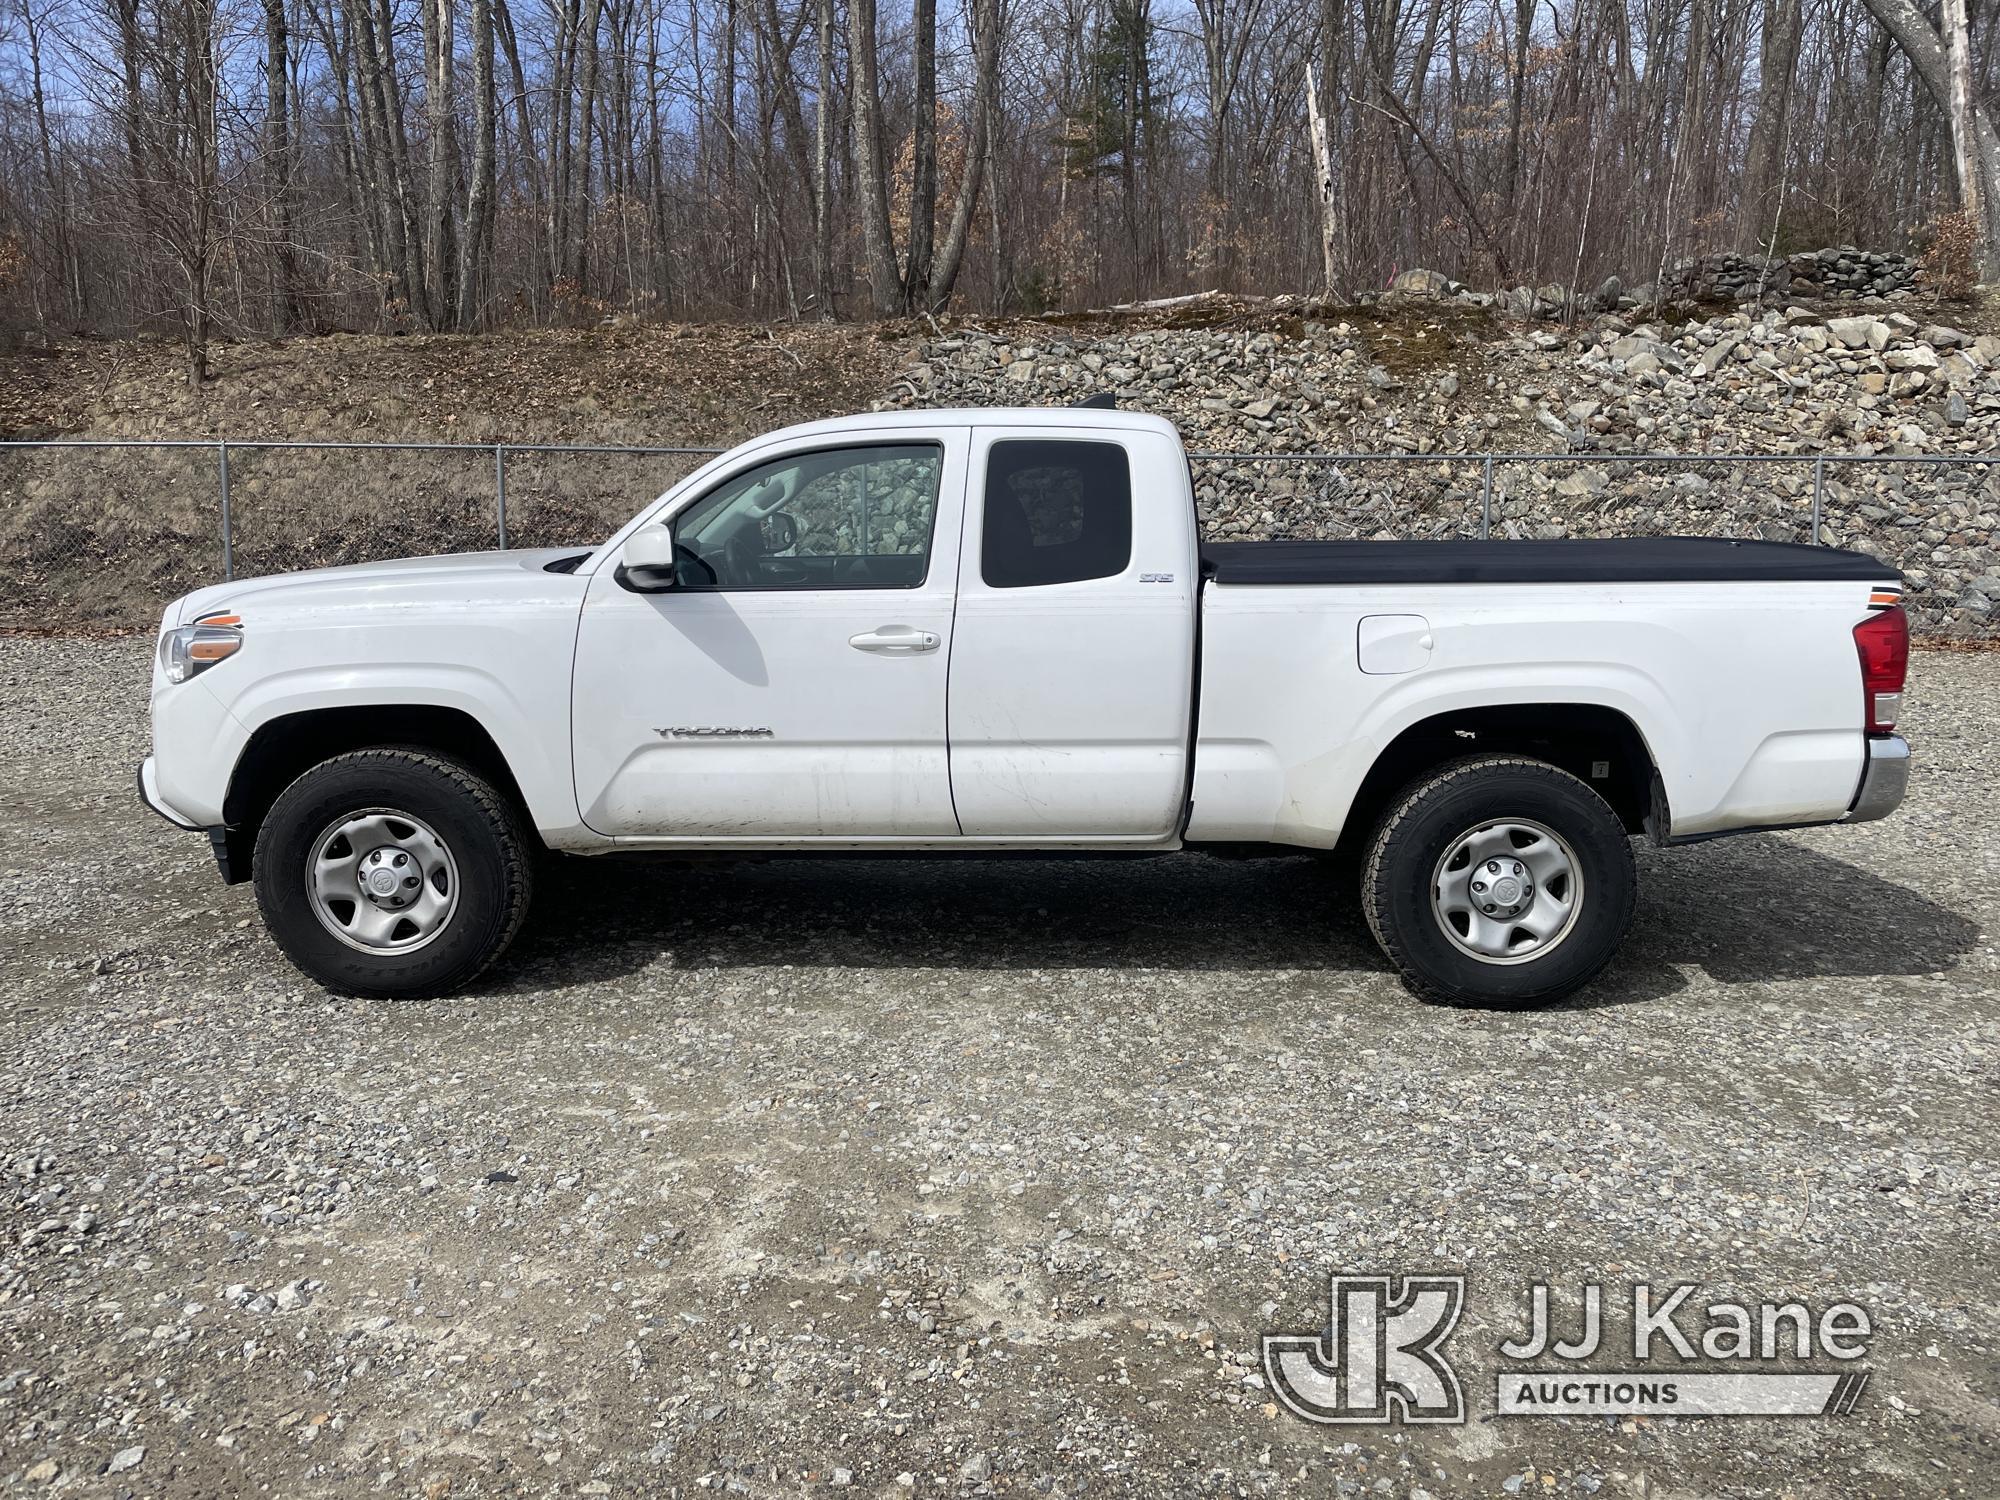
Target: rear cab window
1056,511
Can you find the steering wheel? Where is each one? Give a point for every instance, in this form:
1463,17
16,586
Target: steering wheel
743,555
752,566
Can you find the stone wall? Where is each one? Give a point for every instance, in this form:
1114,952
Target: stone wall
1842,271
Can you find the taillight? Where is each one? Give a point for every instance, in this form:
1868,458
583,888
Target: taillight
1883,639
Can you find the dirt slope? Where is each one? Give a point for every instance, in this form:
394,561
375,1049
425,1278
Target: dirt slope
706,384
101,537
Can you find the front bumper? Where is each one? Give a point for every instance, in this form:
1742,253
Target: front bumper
232,853
1884,779
149,793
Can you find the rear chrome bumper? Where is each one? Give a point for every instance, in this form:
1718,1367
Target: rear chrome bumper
1884,779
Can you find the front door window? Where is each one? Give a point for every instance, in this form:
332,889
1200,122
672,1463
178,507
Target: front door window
838,518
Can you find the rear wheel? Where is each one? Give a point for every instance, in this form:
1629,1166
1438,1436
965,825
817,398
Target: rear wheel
392,873
1499,881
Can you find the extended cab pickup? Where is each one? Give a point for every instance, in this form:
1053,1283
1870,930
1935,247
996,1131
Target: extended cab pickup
998,630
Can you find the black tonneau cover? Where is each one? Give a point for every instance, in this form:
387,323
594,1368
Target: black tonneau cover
1667,559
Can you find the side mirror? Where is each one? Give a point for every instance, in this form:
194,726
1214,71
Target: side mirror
646,565
781,532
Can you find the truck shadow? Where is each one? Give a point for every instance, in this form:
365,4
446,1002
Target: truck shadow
1743,909
1763,907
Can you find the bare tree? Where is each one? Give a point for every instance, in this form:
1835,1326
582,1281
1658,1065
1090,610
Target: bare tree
1973,190
871,187
1976,138
979,136
441,165
457,163
72,290
1763,166
822,180
475,246
169,85
1325,184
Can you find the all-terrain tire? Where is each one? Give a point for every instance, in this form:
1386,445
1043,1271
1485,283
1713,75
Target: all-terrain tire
435,804
1405,887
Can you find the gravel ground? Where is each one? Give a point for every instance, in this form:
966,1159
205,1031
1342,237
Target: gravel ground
783,1178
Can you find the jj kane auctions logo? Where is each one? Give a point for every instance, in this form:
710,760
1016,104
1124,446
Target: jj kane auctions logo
1381,1356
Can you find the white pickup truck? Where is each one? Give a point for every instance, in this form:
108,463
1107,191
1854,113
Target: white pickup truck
953,631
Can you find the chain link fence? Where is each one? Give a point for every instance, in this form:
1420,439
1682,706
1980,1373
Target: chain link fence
101,533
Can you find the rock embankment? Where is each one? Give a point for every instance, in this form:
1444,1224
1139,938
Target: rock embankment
1410,387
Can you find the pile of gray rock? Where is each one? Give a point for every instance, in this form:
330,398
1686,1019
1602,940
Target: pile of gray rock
1407,397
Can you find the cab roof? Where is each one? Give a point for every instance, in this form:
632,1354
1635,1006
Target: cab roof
1069,418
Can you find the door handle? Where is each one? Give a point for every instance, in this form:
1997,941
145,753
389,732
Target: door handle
895,640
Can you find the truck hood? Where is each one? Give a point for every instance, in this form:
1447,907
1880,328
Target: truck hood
369,582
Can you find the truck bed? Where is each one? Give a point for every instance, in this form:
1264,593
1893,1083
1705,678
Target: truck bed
1672,559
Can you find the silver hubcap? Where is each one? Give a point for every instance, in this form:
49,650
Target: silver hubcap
1508,891
382,881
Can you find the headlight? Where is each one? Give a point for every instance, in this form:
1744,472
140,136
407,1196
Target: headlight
190,650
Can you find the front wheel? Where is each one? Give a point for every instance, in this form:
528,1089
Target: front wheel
392,873
1499,880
